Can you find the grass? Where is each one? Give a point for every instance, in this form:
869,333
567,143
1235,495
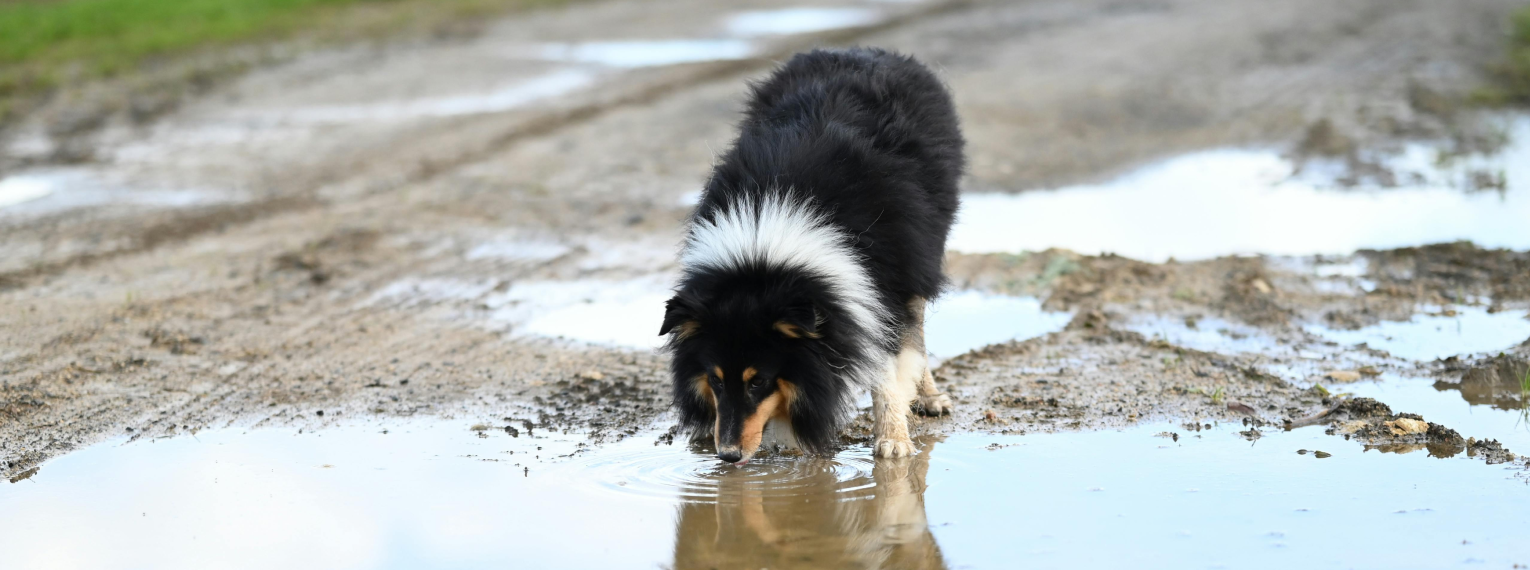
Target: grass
1524,398
47,43
1513,73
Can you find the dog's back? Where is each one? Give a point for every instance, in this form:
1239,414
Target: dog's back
872,138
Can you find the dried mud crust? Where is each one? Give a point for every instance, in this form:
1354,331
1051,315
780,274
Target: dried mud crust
1260,291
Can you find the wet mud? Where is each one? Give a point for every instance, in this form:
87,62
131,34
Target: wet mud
492,268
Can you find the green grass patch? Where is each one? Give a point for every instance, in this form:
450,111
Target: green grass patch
44,43
1513,73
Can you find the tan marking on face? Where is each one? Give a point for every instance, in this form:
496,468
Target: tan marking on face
718,371
754,425
749,373
788,392
789,330
704,390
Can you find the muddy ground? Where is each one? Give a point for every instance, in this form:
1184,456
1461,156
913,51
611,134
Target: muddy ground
332,272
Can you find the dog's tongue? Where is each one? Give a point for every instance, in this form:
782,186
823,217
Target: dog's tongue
742,462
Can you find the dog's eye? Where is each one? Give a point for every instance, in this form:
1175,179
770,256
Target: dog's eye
757,381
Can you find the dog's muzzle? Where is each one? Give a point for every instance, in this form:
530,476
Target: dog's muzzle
730,455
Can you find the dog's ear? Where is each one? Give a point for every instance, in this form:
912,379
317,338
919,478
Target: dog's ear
679,314
800,320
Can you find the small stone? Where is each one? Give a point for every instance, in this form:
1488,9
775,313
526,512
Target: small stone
1406,426
1343,376
1322,454
591,375
1350,427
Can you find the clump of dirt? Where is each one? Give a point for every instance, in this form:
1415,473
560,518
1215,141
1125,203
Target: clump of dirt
1360,409
1324,139
1373,423
1490,451
174,341
1498,381
1451,272
1102,279
1249,294
321,259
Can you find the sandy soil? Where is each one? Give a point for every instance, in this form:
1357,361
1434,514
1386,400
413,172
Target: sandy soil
278,301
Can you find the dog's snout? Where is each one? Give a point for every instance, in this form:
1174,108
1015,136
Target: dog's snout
730,455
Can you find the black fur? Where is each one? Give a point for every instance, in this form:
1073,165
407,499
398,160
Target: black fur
871,138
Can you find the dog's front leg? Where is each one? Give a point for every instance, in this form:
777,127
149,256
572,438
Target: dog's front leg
889,413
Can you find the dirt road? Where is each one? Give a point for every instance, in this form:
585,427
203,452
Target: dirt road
366,231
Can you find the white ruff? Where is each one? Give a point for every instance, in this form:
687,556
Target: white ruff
781,231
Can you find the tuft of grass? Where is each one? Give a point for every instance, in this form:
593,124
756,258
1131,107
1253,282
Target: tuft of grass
1216,395
46,43
1513,73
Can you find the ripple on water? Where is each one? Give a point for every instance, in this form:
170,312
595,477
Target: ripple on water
677,473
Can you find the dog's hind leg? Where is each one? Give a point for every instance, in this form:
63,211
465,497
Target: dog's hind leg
914,365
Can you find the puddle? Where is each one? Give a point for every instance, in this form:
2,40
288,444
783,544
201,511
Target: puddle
51,190
962,321
503,98
1477,411
1226,202
613,313
1426,337
787,21
26,187
626,313
1209,334
439,495
519,250
632,54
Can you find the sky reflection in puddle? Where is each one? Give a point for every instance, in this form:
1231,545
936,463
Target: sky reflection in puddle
1426,337
648,53
802,20
50,190
503,98
1232,201
627,313
439,495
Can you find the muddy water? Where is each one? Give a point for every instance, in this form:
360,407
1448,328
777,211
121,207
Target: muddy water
1250,201
442,495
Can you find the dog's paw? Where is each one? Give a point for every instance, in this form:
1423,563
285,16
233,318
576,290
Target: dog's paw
890,448
934,405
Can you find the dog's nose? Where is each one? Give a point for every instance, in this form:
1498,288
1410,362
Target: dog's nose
731,456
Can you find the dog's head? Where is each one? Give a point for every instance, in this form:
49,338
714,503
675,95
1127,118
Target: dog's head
749,355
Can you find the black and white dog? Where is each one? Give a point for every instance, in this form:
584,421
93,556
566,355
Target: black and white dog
809,261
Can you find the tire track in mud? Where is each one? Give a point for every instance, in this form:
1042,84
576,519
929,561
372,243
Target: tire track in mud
184,227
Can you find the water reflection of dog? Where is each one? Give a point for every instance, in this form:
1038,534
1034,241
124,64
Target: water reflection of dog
799,520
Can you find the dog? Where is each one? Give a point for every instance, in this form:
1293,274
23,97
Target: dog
807,264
